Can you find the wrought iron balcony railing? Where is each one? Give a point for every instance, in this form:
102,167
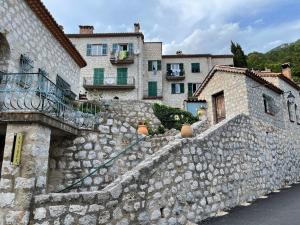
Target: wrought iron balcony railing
121,57
175,75
121,82
34,92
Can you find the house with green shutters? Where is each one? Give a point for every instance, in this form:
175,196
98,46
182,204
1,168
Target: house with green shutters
125,66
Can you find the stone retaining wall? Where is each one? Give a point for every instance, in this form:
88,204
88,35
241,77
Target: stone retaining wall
186,181
72,159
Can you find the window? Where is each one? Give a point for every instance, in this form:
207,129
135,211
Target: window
290,111
175,69
192,87
96,49
297,114
154,65
177,88
269,105
26,64
195,67
64,88
128,47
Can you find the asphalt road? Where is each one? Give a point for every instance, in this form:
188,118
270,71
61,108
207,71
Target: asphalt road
281,208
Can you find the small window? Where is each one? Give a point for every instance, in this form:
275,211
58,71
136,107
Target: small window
195,67
297,114
175,69
154,65
177,88
290,111
26,64
96,49
269,105
192,87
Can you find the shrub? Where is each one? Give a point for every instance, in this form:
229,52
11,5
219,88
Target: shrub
172,117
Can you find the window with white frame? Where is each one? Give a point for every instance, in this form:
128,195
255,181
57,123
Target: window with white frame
96,49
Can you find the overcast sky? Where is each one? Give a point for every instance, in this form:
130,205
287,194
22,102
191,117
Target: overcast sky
193,26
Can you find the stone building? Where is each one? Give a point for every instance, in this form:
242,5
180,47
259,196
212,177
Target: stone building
124,66
271,97
39,77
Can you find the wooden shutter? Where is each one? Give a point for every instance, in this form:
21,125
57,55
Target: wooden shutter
130,48
152,88
158,65
122,76
149,65
190,89
181,69
173,86
114,48
181,87
104,49
98,76
88,49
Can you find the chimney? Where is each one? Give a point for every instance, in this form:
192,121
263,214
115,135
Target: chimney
179,52
286,70
137,27
86,29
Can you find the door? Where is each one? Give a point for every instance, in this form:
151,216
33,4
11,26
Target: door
152,89
219,107
122,76
98,76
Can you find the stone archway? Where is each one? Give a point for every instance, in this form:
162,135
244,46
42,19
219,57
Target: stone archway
4,53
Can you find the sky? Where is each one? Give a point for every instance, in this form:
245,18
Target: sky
193,26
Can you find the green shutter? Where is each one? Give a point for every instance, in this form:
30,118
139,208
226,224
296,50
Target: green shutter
152,88
98,76
181,69
114,48
195,67
122,76
190,89
149,65
104,49
158,65
130,48
181,87
88,49
173,86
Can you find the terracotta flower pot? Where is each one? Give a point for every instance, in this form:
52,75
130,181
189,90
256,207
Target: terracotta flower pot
142,129
186,131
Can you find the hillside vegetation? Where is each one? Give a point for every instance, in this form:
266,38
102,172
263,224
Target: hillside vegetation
275,57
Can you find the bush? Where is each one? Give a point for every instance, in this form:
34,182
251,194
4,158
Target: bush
173,117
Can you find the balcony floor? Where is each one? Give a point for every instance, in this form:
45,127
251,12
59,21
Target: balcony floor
109,87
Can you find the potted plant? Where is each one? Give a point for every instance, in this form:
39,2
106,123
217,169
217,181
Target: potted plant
142,128
186,130
201,111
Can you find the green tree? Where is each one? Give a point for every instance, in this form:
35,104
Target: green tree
239,57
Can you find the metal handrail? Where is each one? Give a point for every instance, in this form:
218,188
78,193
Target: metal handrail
105,164
34,92
109,80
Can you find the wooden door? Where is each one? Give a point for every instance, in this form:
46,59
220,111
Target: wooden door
219,106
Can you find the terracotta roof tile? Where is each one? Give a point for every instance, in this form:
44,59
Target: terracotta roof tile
244,71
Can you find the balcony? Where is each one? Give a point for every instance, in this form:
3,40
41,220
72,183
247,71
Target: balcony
122,58
109,83
175,76
152,95
32,97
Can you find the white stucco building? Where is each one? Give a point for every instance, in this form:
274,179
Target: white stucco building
124,66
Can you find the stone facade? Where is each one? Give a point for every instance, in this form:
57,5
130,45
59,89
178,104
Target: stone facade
144,51
206,64
186,181
19,184
26,34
